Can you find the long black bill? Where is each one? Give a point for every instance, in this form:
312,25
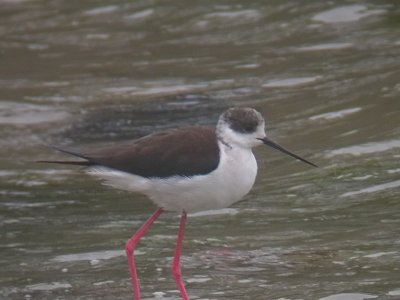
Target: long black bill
272,144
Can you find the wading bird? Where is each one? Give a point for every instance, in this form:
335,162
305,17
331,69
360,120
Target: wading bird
186,170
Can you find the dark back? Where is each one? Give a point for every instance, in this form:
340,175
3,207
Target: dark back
185,152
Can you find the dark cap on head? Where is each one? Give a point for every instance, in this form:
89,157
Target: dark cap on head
242,119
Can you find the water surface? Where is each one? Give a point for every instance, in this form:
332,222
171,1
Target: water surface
88,74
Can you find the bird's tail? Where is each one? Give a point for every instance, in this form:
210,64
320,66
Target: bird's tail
85,162
65,162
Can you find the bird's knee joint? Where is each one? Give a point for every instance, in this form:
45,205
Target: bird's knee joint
130,246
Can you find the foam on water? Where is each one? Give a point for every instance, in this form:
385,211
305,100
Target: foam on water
393,171
90,256
103,282
198,279
23,204
379,254
140,15
336,114
48,286
215,212
365,148
24,113
289,82
349,296
347,13
327,46
156,90
101,10
251,14
374,188
394,293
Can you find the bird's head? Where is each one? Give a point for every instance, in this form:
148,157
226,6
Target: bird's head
245,127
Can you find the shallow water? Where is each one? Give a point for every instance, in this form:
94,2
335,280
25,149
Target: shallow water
81,75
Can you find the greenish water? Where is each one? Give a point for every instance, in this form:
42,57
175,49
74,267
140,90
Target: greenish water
86,74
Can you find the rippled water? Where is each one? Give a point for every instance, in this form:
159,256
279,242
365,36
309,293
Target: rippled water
85,74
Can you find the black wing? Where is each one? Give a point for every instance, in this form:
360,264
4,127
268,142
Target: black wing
184,152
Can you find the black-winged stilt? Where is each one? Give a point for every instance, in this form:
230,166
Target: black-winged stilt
187,169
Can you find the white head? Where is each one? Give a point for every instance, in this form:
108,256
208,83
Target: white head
245,127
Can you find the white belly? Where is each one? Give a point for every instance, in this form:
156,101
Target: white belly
233,179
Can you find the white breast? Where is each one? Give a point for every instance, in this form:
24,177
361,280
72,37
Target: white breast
227,184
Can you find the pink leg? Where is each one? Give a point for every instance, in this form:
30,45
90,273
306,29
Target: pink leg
176,266
130,248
